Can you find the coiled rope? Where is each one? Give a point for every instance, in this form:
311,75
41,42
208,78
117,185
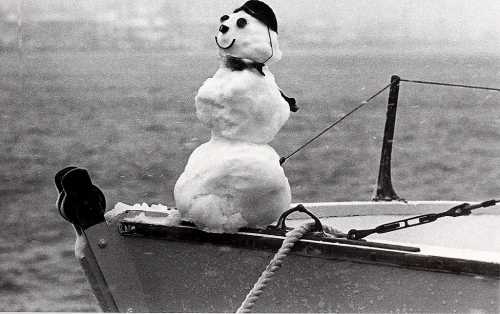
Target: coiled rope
272,268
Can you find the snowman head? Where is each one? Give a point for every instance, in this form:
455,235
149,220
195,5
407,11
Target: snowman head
250,32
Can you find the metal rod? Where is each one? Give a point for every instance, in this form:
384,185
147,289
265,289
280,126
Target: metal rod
384,190
459,210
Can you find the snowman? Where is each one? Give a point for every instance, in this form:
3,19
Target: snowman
235,179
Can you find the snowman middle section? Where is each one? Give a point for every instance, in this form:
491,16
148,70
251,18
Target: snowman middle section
242,105
235,179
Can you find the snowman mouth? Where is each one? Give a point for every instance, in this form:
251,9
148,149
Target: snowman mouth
229,46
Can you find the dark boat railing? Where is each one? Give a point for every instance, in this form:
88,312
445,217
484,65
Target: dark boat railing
384,189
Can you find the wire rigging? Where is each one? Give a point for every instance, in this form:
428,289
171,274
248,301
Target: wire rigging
450,84
283,159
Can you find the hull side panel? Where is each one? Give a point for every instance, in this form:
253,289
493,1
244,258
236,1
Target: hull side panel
146,274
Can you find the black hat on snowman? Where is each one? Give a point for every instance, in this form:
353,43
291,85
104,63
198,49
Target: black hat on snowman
249,34
261,12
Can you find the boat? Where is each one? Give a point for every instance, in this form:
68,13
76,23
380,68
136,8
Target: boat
135,261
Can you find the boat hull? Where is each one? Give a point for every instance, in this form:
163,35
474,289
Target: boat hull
144,268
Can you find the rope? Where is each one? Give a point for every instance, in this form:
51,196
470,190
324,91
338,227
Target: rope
449,84
330,231
283,159
292,237
272,268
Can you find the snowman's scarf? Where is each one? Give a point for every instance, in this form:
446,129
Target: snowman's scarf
239,64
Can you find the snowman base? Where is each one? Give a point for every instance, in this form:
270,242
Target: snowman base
229,184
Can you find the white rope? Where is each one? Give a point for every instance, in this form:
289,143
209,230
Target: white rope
272,268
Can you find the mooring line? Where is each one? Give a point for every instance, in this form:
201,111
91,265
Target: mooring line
450,84
283,159
291,238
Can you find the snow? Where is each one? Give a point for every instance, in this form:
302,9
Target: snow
172,219
235,179
242,105
242,186
156,214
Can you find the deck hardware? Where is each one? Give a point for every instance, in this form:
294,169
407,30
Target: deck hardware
125,228
384,190
80,201
102,243
299,208
464,209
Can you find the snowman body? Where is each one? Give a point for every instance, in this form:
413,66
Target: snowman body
235,180
242,105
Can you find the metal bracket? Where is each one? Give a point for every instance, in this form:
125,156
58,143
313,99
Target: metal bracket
299,208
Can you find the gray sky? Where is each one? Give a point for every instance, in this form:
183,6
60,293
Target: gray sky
466,19
466,23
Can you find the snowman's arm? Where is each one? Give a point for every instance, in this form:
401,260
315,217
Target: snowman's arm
291,102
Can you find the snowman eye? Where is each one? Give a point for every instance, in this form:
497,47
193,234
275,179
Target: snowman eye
241,22
223,18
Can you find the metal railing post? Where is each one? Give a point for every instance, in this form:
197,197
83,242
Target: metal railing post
384,190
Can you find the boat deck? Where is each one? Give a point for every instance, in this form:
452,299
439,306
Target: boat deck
475,237
168,267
